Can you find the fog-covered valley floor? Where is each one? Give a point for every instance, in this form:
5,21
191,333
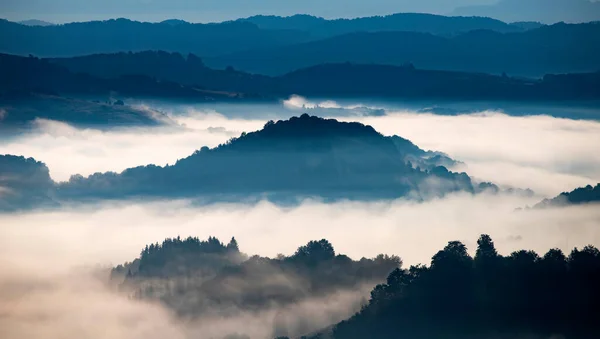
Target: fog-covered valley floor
51,259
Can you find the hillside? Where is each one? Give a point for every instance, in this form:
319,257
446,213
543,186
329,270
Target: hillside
24,75
582,195
485,296
21,109
559,48
217,278
24,183
409,22
123,35
303,156
277,45
284,162
332,80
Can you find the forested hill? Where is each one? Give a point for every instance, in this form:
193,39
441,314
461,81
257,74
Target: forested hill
302,156
582,195
522,295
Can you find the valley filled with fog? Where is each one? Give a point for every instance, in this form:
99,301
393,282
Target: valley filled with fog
55,261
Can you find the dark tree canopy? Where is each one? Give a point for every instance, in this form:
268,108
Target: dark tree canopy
494,296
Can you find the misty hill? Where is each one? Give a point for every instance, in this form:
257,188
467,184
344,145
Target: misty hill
24,183
122,35
548,11
582,195
19,110
34,22
337,80
207,277
485,296
409,22
300,157
559,48
284,162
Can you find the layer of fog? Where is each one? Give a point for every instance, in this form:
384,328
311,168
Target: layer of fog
43,295
549,155
39,302
68,150
116,232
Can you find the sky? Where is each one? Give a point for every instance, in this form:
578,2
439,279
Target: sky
62,11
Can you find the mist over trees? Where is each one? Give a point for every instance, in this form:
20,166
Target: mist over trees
457,295
197,278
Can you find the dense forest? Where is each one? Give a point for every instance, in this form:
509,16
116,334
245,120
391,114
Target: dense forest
485,296
457,295
197,278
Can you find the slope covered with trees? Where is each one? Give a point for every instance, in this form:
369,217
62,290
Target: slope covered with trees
24,183
582,195
300,157
485,296
197,278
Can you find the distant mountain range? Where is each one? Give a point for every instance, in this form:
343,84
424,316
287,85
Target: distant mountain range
277,45
164,75
559,48
305,156
549,11
409,22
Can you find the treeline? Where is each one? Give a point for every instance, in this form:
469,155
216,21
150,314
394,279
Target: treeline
486,296
196,277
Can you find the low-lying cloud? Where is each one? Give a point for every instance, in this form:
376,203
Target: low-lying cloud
116,232
68,150
549,155
52,262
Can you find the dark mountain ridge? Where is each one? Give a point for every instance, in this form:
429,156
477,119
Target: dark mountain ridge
559,48
468,44
410,22
117,35
171,75
213,39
